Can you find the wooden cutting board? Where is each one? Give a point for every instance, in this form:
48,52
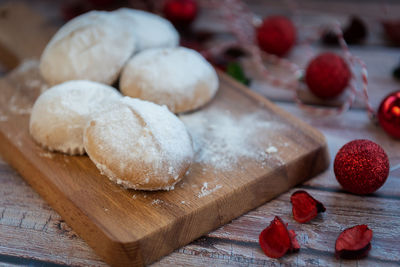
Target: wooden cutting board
248,151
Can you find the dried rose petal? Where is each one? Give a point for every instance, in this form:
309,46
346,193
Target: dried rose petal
293,240
305,207
354,242
276,240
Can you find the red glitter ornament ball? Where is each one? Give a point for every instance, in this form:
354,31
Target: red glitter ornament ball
180,12
361,167
389,114
276,35
327,75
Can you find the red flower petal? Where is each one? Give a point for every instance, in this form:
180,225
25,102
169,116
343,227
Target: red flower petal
293,240
305,207
354,242
276,240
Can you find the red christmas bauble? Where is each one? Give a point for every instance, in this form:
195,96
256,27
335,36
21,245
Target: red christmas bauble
389,114
276,35
327,75
180,12
361,167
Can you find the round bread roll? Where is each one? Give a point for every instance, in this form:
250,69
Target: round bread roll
93,46
61,113
177,77
149,30
139,145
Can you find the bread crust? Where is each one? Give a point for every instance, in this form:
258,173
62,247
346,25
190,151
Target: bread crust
179,78
139,145
89,47
60,114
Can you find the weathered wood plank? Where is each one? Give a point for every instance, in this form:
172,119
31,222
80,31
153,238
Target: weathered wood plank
30,228
234,243
339,130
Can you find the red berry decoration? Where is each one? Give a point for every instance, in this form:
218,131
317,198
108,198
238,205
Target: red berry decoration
361,167
276,35
354,242
180,12
276,240
327,75
305,207
389,114
354,33
392,30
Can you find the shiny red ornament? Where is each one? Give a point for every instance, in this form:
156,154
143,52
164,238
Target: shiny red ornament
276,240
389,114
354,242
276,35
361,167
327,75
180,12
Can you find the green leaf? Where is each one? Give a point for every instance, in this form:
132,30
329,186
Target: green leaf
235,70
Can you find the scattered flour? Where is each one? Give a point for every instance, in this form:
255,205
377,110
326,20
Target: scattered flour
14,108
33,83
3,118
157,202
46,155
271,149
222,140
205,191
27,65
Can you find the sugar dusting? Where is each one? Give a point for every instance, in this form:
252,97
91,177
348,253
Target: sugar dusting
48,155
223,140
31,85
157,201
3,118
271,149
205,191
14,108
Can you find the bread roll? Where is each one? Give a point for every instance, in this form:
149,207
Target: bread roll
139,145
149,30
179,78
93,46
60,114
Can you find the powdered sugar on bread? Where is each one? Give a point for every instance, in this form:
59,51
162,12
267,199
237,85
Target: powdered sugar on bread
149,30
139,145
93,46
179,78
60,114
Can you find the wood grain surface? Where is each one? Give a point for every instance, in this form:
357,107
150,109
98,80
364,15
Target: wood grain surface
31,233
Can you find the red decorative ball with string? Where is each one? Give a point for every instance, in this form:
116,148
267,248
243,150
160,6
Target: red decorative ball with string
180,12
389,114
276,35
327,75
361,167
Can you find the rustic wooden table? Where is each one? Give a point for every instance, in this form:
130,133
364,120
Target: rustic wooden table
31,233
